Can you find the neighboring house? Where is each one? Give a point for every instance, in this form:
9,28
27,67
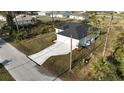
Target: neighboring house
44,13
2,18
64,14
61,14
23,19
78,16
79,34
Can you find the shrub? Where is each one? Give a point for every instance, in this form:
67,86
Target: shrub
118,28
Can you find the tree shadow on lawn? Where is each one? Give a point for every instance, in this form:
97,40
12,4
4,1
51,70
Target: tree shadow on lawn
1,66
6,62
2,42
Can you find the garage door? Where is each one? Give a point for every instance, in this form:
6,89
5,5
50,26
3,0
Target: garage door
66,40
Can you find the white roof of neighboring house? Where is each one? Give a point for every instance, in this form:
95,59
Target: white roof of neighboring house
23,17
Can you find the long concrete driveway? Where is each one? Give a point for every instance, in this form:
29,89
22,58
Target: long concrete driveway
20,67
59,48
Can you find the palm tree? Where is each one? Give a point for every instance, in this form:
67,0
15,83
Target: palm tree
9,19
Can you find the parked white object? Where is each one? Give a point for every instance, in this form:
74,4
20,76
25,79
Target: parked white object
23,19
2,18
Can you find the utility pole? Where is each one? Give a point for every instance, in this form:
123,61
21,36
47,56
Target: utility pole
70,54
52,18
106,40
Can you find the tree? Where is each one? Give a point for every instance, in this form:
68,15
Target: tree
16,23
9,19
119,47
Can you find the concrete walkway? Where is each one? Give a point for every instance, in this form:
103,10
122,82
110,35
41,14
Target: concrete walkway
59,48
20,67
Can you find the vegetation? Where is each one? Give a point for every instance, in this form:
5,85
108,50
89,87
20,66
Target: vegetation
102,71
119,54
35,44
32,39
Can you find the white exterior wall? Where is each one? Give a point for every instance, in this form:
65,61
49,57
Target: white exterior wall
66,40
72,17
42,13
2,18
24,22
76,17
80,18
58,30
57,15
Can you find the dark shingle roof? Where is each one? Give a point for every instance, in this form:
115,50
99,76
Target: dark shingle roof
77,30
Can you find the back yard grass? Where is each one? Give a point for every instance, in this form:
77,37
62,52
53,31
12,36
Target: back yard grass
35,44
4,74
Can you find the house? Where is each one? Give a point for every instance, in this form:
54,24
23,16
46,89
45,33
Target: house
61,14
2,18
23,19
79,34
44,13
78,16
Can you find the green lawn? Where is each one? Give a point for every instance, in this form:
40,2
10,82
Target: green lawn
57,64
35,44
4,74
60,64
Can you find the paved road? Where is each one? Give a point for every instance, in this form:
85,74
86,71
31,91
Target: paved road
20,67
59,48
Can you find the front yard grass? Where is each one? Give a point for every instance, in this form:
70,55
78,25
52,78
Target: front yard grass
35,44
4,74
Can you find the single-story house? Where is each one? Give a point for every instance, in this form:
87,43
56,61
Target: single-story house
23,19
78,16
61,14
79,34
2,18
44,13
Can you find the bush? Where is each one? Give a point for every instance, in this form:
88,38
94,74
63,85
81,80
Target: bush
45,29
118,28
102,71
